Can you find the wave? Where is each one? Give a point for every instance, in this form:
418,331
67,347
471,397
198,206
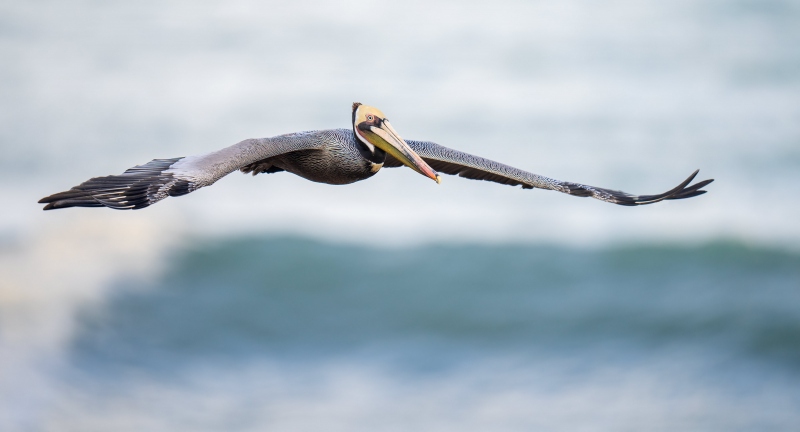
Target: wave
245,298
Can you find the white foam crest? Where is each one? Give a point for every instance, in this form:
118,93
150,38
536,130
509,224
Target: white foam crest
47,276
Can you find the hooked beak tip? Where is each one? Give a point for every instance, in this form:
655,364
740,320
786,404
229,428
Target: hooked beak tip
398,148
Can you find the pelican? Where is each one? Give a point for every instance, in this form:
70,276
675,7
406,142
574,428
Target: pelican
337,156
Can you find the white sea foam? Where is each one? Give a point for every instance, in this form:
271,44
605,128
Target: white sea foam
47,276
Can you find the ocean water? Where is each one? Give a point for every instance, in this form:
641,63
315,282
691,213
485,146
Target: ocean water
273,303
295,334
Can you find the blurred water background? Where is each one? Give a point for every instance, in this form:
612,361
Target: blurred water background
276,303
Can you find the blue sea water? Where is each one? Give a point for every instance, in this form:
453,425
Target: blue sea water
508,321
236,299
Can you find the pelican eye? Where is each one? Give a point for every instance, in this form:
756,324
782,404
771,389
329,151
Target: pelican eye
370,117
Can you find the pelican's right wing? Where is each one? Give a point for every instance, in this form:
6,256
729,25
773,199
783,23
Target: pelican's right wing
143,185
454,162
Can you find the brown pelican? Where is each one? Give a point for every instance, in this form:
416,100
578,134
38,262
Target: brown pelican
338,156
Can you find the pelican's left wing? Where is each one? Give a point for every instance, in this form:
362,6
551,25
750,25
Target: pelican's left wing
454,162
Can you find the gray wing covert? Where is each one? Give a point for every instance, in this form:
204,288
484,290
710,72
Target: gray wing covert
454,162
144,185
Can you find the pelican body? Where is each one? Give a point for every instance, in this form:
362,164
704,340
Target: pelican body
337,156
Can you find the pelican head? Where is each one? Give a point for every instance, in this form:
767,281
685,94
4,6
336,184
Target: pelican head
374,130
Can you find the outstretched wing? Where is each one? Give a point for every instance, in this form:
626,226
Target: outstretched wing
454,162
143,185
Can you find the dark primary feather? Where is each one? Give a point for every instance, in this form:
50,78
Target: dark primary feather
622,198
448,161
136,188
